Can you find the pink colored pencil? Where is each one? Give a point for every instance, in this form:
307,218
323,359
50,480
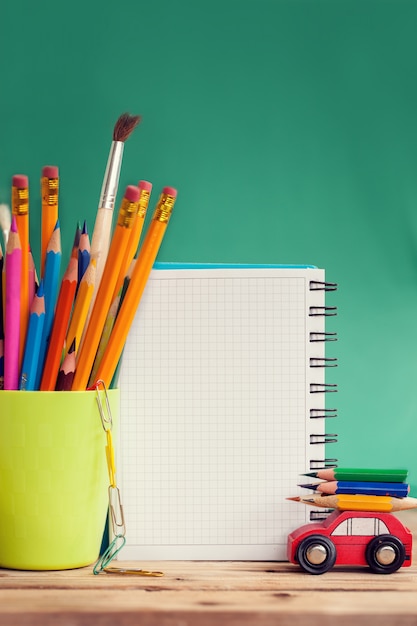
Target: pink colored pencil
12,312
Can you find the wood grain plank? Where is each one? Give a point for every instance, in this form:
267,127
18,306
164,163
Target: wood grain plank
216,593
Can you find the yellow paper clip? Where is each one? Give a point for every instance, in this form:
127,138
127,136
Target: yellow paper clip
131,571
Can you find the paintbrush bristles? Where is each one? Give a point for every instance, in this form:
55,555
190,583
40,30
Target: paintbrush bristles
124,126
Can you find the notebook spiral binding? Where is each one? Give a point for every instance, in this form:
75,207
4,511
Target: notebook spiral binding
322,413
319,464
322,388
326,311
322,362
318,337
323,438
318,363
318,285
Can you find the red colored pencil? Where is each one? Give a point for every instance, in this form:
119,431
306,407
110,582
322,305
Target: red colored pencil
60,326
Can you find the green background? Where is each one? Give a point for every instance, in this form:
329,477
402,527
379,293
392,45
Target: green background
288,127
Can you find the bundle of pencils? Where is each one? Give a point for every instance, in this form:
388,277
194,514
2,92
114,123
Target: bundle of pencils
67,335
359,489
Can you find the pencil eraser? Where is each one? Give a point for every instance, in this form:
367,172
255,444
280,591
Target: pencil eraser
50,171
145,185
132,193
20,181
170,191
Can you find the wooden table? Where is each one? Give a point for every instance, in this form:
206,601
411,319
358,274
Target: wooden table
220,593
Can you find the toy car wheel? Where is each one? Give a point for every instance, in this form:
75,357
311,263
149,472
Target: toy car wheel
385,554
316,554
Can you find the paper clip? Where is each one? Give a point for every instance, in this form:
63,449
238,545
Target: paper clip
131,571
104,409
116,514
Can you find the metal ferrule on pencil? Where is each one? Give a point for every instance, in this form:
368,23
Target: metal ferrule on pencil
50,190
143,203
127,213
20,200
111,176
164,208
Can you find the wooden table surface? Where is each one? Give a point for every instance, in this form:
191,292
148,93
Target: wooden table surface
203,593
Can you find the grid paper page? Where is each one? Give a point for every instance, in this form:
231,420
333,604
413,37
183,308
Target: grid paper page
214,433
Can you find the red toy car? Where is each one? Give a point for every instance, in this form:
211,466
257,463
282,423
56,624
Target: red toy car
379,540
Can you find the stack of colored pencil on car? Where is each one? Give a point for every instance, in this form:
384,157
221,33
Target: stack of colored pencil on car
359,489
67,334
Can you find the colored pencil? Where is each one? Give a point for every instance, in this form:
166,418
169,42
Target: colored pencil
367,474
83,253
49,191
345,502
66,371
32,279
20,210
91,340
396,490
115,379
104,339
33,342
12,310
50,285
145,191
64,305
145,260
100,241
76,242
1,321
82,305
2,363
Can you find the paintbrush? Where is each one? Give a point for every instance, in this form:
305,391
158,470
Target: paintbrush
5,222
100,240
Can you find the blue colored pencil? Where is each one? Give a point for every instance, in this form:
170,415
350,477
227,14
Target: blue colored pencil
50,285
33,342
395,490
83,253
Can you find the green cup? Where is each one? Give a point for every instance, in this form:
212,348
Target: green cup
53,478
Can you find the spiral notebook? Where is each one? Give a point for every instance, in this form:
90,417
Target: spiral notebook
222,409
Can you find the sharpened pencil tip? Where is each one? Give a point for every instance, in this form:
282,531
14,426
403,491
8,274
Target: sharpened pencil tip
295,499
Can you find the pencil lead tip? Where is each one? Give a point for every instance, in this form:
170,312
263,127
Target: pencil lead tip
294,499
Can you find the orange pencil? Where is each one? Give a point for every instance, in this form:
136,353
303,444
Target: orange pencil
49,191
103,299
82,305
145,260
59,328
20,210
145,191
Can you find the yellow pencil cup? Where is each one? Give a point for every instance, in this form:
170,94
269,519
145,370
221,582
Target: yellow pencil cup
53,478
